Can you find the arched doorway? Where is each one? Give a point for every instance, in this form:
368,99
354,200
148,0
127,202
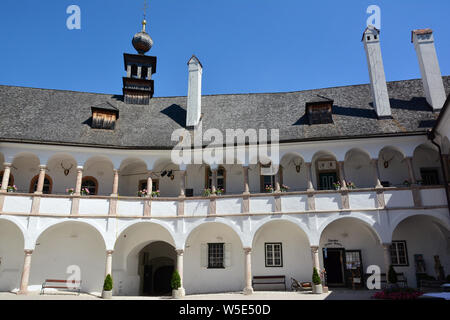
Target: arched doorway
157,262
11,255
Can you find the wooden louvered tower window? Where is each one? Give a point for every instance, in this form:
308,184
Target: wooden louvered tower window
104,119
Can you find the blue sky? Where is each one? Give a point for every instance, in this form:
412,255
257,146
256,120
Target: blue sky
244,45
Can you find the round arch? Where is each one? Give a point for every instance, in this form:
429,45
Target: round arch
359,169
439,217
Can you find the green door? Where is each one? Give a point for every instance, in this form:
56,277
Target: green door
326,180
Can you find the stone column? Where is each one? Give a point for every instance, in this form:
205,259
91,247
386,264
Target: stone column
25,272
248,271
309,176
410,170
108,267
387,258
41,179
277,180
180,253
79,181
115,188
213,180
315,257
342,175
376,173
6,174
149,186
246,187
182,183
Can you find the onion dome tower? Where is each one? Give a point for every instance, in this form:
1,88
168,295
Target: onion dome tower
138,86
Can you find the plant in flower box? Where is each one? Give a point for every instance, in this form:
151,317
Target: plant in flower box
11,188
220,191
155,194
351,185
70,191
207,192
284,188
268,189
337,185
85,191
142,193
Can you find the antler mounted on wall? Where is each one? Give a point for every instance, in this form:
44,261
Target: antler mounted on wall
386,162
66,170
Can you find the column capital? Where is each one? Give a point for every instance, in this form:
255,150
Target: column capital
7,164
28,252
386,246
80,168
179,252
308,164
314,249
247,250
374,161
109,252
43,167
116,171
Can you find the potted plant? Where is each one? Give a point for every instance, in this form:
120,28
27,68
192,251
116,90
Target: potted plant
268,189
155,194
337,185
107,287
142,193
70,191
11,188
317,283
219,191
207,192
284,188
84,191
175,282
351,185
392,277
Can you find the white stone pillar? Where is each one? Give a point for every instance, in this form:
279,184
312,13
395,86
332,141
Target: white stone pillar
342,175
115,188
315,257
248,271
25,272
387,258
108,266
213,180
376,173
309,176
411,170
246,187
149,185
180,253
6,174
182,183
79,181
277,180
41,179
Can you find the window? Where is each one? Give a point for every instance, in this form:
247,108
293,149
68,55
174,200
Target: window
429,176
11,179
267,181
220,178
143,184
48,183
274,255
91,184
319,113
399,254
216,255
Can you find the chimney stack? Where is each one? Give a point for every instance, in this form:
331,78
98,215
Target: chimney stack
433,85
371,39
194,99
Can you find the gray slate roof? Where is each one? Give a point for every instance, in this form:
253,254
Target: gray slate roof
56,116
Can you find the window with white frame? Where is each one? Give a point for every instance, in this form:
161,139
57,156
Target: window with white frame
274,254
216,255
399,253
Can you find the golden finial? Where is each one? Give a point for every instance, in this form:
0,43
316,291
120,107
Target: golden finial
144,22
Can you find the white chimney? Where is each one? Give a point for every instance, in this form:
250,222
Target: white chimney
371,39
429,67
194,99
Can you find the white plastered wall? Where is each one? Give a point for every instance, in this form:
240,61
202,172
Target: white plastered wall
11,256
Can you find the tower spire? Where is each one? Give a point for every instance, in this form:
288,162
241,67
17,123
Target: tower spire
144,21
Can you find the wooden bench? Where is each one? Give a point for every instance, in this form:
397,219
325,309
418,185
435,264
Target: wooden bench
401,279
269,280
72,285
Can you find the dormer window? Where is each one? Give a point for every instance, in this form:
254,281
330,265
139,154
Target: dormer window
104,116
319,110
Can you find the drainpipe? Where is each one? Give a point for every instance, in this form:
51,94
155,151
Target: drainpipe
431,136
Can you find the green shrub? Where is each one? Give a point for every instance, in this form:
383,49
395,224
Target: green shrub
392,275
315,277
176,280
108,284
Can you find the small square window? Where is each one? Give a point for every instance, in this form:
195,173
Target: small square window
399,253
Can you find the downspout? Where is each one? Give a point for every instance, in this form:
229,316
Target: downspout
431,136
